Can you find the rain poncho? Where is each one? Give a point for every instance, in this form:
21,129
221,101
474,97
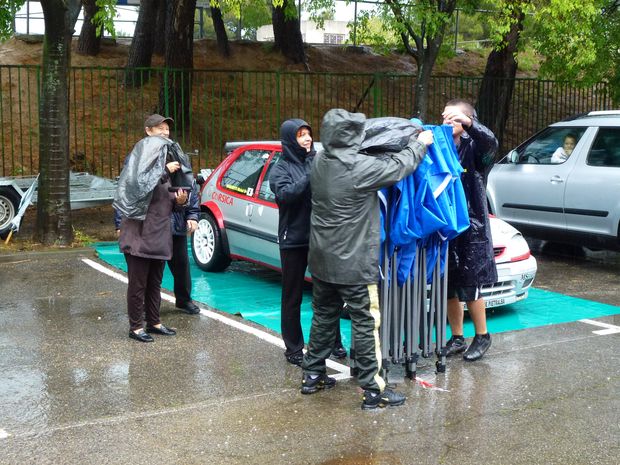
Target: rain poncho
472,262
143,169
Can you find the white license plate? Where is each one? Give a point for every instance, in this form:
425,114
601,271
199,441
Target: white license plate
494,302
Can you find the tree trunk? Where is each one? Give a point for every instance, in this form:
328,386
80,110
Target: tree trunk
287,33
89,42
425,69
141,48
176,87
497,85
159,46
223,46
53,202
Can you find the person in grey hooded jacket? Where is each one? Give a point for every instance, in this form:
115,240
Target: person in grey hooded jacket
344,248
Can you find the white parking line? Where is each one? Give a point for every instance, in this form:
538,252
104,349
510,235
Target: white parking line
610,329
343,370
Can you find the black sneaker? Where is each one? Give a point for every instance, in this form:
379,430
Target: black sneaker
339,352
387,398
295,359
455,345
310,386
478,347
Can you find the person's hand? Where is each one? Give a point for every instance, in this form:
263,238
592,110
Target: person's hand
173,166
181,196
454,114
118,233
426,137
192,225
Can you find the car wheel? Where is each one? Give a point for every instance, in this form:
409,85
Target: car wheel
9,204
207,246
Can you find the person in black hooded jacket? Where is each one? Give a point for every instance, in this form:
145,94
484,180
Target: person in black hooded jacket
290,182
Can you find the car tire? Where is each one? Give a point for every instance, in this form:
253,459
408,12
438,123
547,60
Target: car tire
9,205
207,247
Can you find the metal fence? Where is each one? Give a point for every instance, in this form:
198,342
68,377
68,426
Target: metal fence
106,116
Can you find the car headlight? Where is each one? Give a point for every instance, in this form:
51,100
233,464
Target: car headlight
518,249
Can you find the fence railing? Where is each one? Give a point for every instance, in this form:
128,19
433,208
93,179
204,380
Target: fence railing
107,116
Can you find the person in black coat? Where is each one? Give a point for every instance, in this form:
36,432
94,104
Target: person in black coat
290,182
471,261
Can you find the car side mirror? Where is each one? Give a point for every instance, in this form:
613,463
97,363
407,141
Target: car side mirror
513,156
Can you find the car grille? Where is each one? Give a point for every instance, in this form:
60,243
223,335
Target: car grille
499,289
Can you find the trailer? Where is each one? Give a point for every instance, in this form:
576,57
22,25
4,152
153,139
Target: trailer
86,190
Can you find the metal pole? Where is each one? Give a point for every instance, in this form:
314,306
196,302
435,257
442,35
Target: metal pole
355,25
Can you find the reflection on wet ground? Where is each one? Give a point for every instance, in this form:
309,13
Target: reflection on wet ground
577,271
75,389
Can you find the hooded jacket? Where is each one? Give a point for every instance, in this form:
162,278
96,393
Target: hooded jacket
471,257
345,222
290,182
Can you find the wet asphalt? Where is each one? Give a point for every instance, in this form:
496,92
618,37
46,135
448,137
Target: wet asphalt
74,389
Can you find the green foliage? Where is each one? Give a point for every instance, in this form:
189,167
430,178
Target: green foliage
579,42
251,13
371,31
104,17
320,11
8,10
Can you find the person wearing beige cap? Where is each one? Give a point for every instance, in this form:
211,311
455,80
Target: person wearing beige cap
148,229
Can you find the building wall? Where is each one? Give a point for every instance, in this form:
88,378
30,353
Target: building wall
334,32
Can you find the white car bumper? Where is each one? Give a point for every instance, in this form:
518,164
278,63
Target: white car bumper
513,283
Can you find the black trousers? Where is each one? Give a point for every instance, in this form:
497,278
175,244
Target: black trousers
143,290
294,262
179,267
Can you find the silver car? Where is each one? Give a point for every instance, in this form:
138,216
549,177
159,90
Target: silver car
572,198
239,220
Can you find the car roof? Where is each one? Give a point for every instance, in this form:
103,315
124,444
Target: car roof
609,118
233,145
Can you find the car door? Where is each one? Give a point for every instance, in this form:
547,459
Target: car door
526,189
238,182
264,218
592,199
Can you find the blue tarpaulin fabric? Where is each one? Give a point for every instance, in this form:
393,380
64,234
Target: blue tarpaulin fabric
427,208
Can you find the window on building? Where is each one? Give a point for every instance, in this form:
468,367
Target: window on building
333,38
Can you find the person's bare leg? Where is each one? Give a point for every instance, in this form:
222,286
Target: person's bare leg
455,316
478,314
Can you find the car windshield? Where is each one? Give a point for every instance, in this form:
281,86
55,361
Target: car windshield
554,145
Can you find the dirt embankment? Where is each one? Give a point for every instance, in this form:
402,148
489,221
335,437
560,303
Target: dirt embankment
259,56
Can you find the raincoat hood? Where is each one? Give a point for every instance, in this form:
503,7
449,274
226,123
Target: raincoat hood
342,133
145,167
288,135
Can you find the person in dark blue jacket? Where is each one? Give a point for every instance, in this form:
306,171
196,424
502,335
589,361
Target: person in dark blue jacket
184,222
290,182
471,261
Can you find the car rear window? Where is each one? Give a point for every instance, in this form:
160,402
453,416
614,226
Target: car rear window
605,150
